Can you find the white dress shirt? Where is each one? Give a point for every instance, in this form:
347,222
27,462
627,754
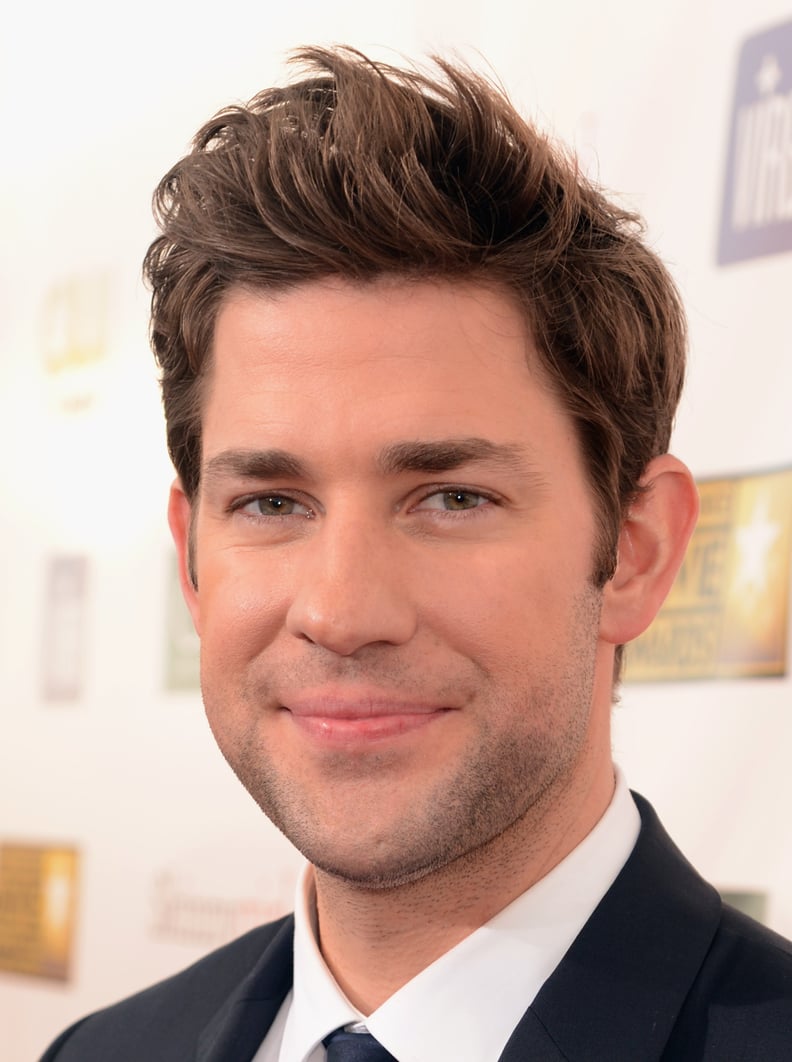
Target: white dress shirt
466,1004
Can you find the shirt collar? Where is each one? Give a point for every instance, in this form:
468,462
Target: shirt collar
466,1004
318,1005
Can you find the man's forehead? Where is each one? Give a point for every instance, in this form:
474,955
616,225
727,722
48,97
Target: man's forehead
422,375
410,329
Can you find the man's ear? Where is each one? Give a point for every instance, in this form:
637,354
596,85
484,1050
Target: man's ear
180,514
652,544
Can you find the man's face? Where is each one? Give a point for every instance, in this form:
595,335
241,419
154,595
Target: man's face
393,542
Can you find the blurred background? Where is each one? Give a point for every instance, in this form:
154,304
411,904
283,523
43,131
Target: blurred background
127,848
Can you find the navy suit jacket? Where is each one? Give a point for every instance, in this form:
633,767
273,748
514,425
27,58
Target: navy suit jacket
661,972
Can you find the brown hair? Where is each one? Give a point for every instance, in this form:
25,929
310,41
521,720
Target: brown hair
360,169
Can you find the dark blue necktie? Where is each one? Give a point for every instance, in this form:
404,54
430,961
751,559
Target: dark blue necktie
345,1046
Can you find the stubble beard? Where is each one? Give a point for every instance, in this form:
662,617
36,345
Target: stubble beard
503,781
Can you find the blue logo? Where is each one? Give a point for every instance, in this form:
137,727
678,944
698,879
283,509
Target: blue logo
757,203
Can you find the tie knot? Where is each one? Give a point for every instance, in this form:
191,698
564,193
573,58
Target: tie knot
345,1046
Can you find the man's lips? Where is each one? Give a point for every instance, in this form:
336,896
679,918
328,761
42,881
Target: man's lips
343,719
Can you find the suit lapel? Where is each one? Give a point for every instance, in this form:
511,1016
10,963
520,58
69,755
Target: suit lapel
619,989
616,994
531,1041
235,1032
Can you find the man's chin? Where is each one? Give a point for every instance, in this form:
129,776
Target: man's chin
367,876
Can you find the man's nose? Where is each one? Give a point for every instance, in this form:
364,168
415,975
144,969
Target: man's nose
352,587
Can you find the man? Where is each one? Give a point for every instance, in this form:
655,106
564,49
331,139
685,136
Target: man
419,378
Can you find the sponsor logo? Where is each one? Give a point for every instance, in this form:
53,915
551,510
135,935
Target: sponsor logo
38,904
215,894
756,218
727,615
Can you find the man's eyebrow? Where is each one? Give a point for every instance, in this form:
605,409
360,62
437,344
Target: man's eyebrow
444,455
254,464
428,456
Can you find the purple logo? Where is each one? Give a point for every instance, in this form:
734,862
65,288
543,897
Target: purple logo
757,203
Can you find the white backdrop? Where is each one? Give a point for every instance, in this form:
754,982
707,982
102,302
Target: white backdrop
96,103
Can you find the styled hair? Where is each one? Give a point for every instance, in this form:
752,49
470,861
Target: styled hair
359,169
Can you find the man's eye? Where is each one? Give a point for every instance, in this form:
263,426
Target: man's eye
453,500
274,505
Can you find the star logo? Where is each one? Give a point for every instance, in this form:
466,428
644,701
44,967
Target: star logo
754,543
768,76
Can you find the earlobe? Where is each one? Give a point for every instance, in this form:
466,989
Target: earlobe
652,545
180,513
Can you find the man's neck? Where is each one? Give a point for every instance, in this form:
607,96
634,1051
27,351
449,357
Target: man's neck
376,940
